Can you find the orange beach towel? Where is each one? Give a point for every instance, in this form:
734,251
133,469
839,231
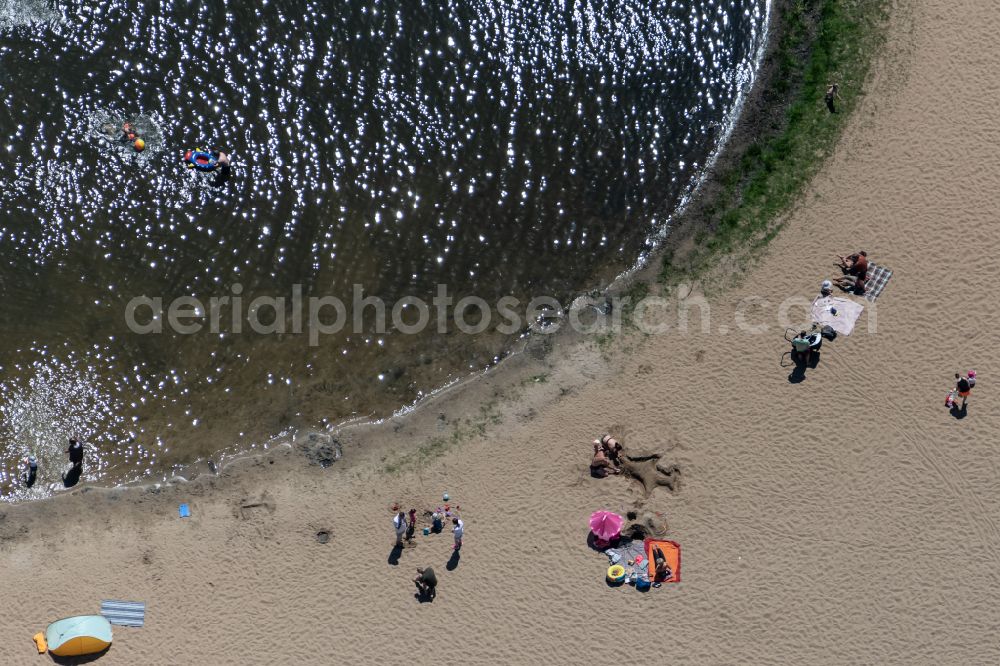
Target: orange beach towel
671,551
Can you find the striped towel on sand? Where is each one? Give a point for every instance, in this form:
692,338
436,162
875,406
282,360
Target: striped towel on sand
124,613
878,277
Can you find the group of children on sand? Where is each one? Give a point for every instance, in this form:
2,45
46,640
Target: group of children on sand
405,527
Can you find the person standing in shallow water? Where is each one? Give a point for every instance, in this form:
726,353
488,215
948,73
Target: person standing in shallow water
30,472
75,452
831,94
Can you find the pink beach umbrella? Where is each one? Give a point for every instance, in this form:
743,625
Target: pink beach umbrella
606,525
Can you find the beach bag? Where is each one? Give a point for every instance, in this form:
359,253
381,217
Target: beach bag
828,332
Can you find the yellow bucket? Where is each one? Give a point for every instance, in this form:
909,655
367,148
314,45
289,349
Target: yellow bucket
616,573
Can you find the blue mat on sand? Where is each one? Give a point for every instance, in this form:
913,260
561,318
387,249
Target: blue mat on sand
124,613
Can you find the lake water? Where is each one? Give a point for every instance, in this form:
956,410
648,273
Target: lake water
497,147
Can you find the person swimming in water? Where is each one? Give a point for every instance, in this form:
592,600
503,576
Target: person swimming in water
129,133
223,170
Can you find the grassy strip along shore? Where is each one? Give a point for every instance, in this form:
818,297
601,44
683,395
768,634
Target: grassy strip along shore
785,134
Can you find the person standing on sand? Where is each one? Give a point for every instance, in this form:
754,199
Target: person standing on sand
831,94
399,522
963,387
75,452
411,525
459,531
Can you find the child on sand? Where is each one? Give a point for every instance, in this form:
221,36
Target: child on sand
459,531
611,447
600,466
411,525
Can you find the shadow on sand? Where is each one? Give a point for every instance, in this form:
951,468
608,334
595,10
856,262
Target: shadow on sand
798,375
72,661
72,477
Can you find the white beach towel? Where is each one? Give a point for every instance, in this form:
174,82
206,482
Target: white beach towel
840,314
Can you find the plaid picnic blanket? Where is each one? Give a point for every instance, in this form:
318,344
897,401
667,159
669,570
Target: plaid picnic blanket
878,277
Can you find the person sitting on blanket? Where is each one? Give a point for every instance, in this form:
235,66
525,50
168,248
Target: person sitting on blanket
663,571
854,264
600,466
855,269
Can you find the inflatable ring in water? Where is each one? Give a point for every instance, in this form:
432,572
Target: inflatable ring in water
201,159
616,573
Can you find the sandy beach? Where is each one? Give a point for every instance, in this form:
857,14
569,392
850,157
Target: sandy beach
846,518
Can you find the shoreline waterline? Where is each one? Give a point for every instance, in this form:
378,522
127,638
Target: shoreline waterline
603,140
227,456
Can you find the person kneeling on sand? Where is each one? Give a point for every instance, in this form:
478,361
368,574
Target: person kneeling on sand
612,449
600,466
426,583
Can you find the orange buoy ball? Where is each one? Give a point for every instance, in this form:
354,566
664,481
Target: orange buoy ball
140,145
